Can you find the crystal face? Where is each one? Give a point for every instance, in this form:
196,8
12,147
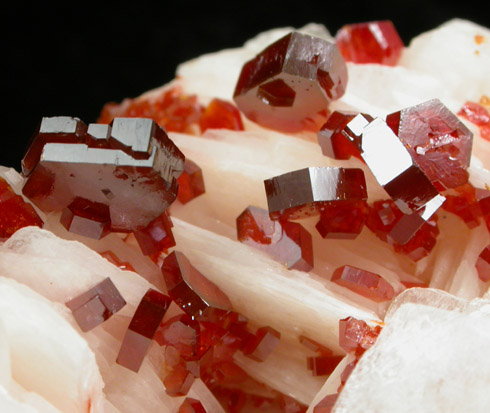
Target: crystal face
436,140
133,172
483,264
289,85
142,328
260,346
96,305
365,283
83,217
157,237
323,365
372,42
15,213
342,219
288,242
190,405
304,192
191,182
477,114
355,336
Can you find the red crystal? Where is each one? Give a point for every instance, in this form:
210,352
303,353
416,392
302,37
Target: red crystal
190,289
15,213
464,204
326,404
289,85
436,140
190,405
157,237
314,346
365,283
96,305
181,332
171,109
220,114
483,264
477,114
142,328
262,344
136,177
179,381
87,218
356,336
337,140
287,242
372,42
289,405
191,182
323,365
304,192
113,259
342,219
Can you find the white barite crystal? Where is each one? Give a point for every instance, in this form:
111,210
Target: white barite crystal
432,356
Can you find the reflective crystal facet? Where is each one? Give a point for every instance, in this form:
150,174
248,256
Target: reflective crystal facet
342,219
288,242
483,264
142,328
220,114
323,365
304,192
365,283
190,405
436,140
191,182
157,237
83,217
372,42
289,85
262,344
96,305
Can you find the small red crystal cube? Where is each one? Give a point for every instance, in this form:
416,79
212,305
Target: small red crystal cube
323,365
372,42
483,264
262,344
342,220
157,236
220,114
142,328
190,405
87,218
289,85
191,182
356,336
365,283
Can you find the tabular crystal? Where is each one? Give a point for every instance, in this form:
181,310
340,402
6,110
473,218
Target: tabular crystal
142,328
289,85
365,283
304,192
288,242
372,42
436,140
323,365
190,405
191,182
262,344
96,305
157,236
83,217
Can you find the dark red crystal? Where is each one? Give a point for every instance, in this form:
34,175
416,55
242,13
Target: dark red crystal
96,305
15,213
315,346
436,140
135,175
355,336
87,218
326,404
323,365
220,114
190,289
477,114
365,283
182,333
372,42
142,328
342,219
191,182
306,191
113,259
289,85
287,242
262,344
483,264
464,204
157,237
190,405
179,381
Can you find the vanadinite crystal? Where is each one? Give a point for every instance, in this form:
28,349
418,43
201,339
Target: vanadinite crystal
304,192
342,220
220,114
132,168
477,114
289,85
365,283
326,404
483,264
157,237
191,182
372,42
260,346
83,217
355,336
288,242
142,329
323,365
96,305
190,405
437,141
190,289
15,213
182,333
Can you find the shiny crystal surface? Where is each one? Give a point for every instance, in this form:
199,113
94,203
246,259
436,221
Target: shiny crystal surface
371,42
436,140
289,85
365,283
342,219
287,242
190,289
262,344
142,328
355,336
323,365
191,182
83,217
304,192
483,264
157,237
114,259
337,140
96,305
220,114
190,405
135,175
15,213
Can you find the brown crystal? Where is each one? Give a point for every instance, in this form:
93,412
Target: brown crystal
342,219
355,336
190,405
96,305
179,381
289,85
304,192
142,328
157,237
83,217
323,365
191,182
262,344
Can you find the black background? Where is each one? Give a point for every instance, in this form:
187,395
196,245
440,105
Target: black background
70,60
